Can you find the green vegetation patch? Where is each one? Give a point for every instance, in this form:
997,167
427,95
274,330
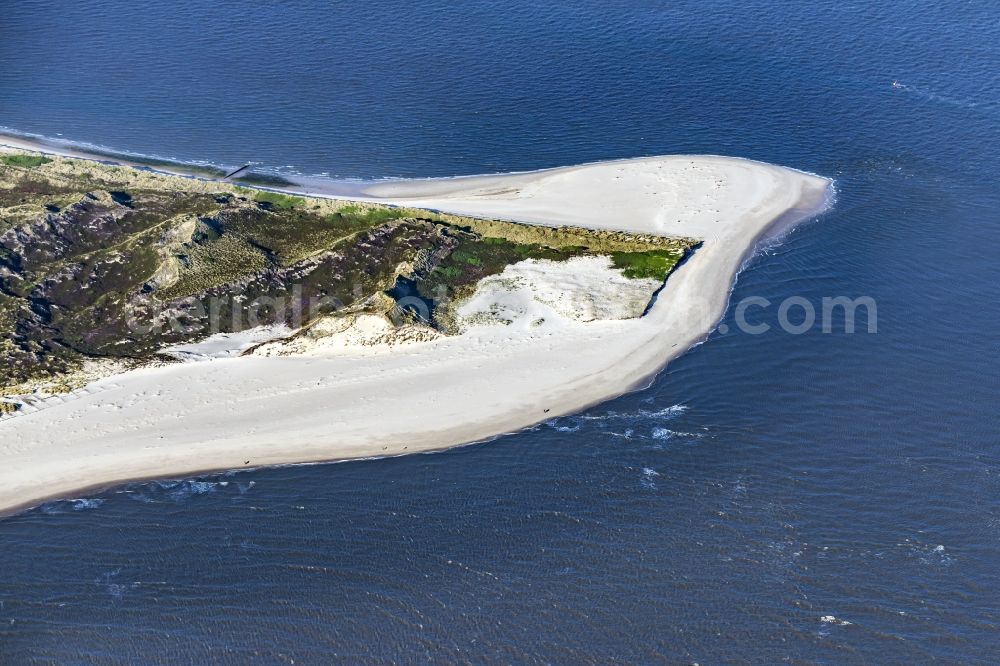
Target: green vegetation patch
279,200
655,264
370,216
475,257
24,160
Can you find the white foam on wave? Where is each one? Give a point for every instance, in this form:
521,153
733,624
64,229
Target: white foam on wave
98,151
78,504
562,428
667,413
832,619
86,504
186,489
115,589
178,490
648,476
572,424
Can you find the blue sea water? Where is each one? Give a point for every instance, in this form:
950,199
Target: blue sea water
816,498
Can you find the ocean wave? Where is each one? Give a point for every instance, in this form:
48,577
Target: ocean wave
182,490
931,554
648,476
564,428
178,491
79,504
573,423
98,151
640,425
934,96
101,152
86,504
115,589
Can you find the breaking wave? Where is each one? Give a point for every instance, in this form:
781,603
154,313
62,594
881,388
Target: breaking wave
181,490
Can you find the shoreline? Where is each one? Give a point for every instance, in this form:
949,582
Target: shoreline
161,422
314,185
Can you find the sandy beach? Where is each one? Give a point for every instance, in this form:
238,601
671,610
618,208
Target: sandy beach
250,411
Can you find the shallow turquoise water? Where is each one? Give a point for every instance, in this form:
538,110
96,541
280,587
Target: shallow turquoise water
762,484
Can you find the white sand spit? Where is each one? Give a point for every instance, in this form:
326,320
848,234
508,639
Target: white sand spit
256,410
